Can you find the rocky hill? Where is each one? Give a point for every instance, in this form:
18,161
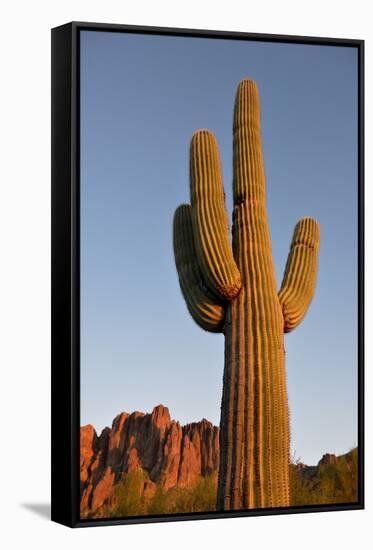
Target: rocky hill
172,456
334,480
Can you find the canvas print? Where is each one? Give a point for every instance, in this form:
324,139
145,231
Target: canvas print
218,275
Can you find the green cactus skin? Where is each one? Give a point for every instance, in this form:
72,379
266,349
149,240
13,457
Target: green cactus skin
236,293
200,301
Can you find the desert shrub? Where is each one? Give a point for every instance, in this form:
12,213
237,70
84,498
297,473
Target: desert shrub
128,495
199,498
325,483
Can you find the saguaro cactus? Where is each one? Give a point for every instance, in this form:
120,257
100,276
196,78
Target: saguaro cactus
237,294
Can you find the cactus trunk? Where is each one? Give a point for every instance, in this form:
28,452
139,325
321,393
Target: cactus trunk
254,413
235,292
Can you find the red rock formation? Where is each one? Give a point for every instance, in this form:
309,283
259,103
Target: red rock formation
328,458
171,454
88,444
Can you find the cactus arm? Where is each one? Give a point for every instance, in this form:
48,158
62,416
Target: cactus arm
202,305
210,218
299,281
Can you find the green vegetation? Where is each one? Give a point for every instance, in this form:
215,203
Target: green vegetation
129,495
330,483
131,500
199,498
325,483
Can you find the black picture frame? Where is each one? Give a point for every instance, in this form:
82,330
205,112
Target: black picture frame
65,491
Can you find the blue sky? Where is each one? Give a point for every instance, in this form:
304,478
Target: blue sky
141,99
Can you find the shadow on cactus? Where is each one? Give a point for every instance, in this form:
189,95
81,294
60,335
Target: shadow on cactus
235,292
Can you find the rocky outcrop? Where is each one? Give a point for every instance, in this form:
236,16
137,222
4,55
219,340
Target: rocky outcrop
171,454
328,458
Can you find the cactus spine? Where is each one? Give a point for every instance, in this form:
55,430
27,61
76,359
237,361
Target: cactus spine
236,293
